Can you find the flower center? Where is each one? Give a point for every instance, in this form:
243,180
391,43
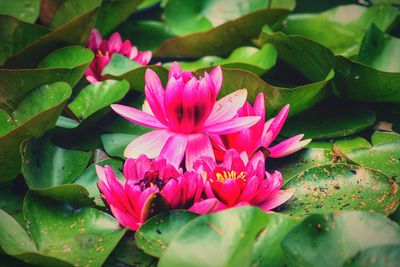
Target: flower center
223,175
150,179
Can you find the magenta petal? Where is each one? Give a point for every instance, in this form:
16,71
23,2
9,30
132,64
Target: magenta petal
259,106
251,189
288,146
171,192
231,126
205,206
278,122
125,219
155,95
114,42
149,144
277,199
175,70
143,58
227,107
216,76
208,190
198,145
174,149
95,40
137,116
143,164
129,170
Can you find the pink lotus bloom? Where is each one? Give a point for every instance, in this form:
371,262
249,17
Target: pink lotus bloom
129,201
185,114
260,135
104,49
239,181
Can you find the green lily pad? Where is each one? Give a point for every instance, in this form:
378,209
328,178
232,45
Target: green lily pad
341,187
222,39
305,159
84,236
16,34
75,32
25,10
71,9
66,64
119,65
45,165
225,238
128,253
248,58
381,256
267,249
115,143
112,13
337,236
332,120
98,96
37,113
384,157
185,17
350,144
89,180
11,202
341,28
380,50
154,236
145,34
379,137
300,98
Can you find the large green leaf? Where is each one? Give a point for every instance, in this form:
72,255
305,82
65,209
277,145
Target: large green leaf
341,187
223,39
37,113
380,137
16,34
383,157
333,120
380,50
97,96
71,9
381,256
75,32
112,13
80,237
300,98
115,143
248,58
221,239
45,165
330,239
66,64
185,17
267,249
347,145
11,202
154,236
341,28
307,158
25,10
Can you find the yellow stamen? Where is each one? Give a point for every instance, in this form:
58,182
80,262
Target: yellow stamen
225,175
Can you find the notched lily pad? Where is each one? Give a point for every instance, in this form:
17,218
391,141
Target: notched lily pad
341,187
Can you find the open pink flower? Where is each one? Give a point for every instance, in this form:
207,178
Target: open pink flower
184,115
259,135
239,181
104,49
129,201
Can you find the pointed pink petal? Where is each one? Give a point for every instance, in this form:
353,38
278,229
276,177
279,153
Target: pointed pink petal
134,53
259,106
198,145
143,164
205,206
95,40
126,48
137,116
143,58
174,149
227,107
288,146
171,192
114,42
173,101
216,76
231,126
251,189
100,173
149,144
278,122
277,199
155,95
125,219
229,192
175,70
130,171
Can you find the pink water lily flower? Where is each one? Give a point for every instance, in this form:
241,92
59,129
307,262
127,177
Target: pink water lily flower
238,181
184,115
104,49
144,178
260,135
